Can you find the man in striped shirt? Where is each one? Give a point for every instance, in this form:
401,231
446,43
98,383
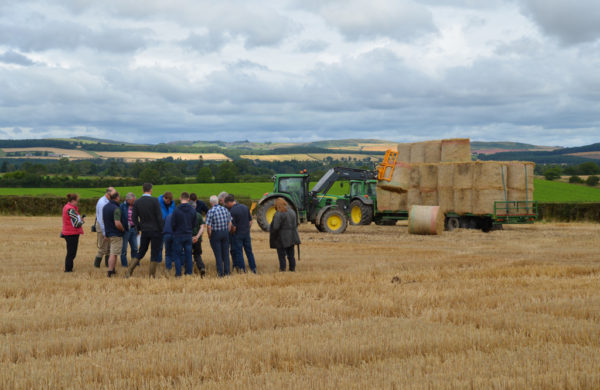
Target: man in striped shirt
218,225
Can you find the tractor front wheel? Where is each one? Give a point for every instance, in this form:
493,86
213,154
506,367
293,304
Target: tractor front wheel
334,221
360,213
265,213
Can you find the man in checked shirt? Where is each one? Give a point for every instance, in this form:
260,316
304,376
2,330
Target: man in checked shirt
218,225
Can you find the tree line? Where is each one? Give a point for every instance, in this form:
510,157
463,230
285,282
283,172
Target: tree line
100,173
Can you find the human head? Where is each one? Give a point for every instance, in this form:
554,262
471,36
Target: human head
130,198
114,196
73,199
109,191
168,198
214,200
281,205
222,196
184,197
147,188
229,201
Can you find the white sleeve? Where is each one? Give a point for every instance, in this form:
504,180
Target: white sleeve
99,206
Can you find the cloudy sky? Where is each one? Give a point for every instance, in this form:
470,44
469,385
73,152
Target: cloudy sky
301,70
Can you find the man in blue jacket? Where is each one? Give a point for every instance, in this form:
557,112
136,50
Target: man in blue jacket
167,206
130,234
183,222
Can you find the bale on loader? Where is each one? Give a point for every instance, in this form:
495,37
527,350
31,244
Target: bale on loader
428,220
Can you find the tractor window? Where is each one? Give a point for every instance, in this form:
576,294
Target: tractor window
371,189
356,189
295,187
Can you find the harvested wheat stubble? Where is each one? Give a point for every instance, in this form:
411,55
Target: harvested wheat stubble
456,150
426,220
516,308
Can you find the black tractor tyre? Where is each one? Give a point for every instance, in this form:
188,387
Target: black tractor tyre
262,213
452,223
319,227
334,221
366,213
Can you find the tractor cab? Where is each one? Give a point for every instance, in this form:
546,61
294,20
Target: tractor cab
295,186
359,188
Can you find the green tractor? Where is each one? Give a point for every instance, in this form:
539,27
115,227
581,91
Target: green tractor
329,213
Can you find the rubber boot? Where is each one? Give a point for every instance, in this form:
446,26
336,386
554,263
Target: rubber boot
153,267
132,264
97,262
200,266
110,274
106,261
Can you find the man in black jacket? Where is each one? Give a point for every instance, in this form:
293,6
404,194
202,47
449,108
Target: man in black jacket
183,222
148,219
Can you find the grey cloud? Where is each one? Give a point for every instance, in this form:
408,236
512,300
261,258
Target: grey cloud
69,36
402,20
206,43
572,22
312,46
12,57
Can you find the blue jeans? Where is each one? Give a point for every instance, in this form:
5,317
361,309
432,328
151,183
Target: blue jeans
243,242
129,238
167,242
219,241
182,253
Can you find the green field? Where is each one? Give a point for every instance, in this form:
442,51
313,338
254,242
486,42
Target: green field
545,191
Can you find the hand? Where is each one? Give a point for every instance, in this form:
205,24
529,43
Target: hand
106,239
194,240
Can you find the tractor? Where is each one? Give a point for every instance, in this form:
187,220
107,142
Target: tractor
329,213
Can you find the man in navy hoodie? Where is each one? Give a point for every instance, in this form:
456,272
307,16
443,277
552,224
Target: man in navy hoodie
183,221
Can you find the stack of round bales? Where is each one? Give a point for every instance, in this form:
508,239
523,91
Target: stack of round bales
455,150
428,185
403,153
414,186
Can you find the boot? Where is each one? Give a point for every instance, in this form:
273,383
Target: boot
153,267
97,262
200,266
111,273
106,261
132,264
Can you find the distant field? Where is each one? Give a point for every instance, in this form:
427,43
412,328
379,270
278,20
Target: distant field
545,191
308,156
594,155
134,156
73,153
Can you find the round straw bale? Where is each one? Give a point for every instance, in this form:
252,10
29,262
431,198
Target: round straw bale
456,150
463,200
417,152
489,175
427,220
483,200
403,153
463,176
429,176
446,175
432,151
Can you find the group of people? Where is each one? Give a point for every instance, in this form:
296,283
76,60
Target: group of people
156,224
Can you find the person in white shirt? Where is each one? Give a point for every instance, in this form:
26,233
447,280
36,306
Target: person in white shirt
103,242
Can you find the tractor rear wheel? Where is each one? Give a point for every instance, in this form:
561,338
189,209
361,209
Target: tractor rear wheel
334,221
265,213
452,223
360,213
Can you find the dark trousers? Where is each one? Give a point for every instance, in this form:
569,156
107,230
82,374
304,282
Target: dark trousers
289,252
197,253
182,252
219,242
72,244
242,242
169,254
155,240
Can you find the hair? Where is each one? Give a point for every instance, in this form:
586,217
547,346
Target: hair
185,196
281,205
214,200
130,195
193,197
147,187
114,195
229,198
222,195
168,195
72,197
109,190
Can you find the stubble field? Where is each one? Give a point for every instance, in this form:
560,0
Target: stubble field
372,308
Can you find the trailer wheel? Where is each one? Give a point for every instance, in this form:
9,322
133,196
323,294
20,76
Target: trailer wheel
486,225
360,213
334,221
452,223
265,213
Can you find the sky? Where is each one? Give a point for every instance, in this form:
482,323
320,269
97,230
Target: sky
301,70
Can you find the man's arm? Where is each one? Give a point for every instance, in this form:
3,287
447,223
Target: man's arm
117,217
249,218
134,217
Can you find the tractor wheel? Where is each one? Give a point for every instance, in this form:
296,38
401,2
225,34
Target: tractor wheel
360,213
319,227
452,223
334,221
265,213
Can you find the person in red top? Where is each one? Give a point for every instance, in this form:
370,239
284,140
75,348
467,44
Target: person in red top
71,229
